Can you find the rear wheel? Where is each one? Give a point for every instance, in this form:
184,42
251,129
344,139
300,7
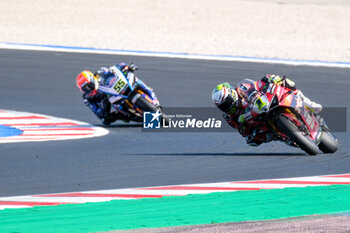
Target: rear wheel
292,131
328,144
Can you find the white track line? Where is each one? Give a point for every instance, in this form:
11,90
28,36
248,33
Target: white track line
38,47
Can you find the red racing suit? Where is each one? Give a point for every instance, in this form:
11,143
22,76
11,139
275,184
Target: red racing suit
241,119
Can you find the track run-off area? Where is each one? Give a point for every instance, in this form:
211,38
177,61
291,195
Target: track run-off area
25,127
269,182
167,191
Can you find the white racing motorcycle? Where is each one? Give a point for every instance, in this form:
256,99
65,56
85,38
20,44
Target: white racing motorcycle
124,95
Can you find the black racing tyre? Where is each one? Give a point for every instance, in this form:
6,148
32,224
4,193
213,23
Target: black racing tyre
145,105
287,127
328,144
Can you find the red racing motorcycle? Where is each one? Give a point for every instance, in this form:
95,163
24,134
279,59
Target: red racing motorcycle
281,111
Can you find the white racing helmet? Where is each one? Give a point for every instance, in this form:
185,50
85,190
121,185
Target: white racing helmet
225,98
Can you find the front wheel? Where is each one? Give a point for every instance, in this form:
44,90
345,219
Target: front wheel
145,105
328,144
293,133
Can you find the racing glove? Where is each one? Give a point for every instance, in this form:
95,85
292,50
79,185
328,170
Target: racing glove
133,67
279,80
126,68
276,79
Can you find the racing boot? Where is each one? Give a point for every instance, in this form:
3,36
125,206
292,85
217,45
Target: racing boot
313,106
322,122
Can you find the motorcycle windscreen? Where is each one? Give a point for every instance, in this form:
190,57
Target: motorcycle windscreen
247,89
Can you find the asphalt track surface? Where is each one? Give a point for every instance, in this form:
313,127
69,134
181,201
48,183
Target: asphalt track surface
44,82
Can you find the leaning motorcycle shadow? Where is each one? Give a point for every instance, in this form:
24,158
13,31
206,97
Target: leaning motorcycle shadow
226,154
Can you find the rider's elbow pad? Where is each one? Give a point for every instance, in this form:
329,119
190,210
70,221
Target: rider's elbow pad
93,106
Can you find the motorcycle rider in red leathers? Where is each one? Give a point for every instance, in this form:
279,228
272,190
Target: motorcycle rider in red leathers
235,102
